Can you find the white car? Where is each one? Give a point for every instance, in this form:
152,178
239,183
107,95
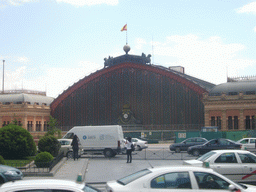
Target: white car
174,179
67,148
247,143
46,185
237,165
140,144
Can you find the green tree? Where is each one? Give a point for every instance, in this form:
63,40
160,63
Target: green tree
52,128
49,144
16,142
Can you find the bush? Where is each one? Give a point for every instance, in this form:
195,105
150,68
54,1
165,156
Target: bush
43,159
49,144
2,161
16,142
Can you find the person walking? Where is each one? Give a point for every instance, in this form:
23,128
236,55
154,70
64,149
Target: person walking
128,145
75,147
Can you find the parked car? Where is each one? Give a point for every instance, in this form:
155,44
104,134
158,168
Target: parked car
247,143
140,144
181,178
184,145
46,185
8,173
238,165
213,144
67,148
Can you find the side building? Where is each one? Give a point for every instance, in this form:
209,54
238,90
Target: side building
133,92
232,105
31,109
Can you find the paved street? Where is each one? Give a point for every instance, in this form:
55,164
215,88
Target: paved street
99,169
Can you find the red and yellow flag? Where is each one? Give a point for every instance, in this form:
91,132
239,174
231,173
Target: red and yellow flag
124,28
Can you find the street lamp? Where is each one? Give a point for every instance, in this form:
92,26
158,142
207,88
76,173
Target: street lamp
3,77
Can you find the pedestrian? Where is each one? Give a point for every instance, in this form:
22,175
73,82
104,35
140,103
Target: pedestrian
75,147
128,145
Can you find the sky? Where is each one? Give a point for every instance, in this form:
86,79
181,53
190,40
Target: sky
48,45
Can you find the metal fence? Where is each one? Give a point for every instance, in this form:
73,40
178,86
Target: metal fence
38,169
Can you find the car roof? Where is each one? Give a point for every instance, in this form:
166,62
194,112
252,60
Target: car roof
247,138
230,151
179,168
51,183
65,139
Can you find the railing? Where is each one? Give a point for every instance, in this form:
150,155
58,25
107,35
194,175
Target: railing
40,169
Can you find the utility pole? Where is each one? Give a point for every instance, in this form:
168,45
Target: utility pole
3,77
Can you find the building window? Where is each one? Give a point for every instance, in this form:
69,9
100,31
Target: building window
219,122
19,123
45,125
247,122
250,93
38,125
212,121
29,125
4,124
253,122
232,93
230,123
235,122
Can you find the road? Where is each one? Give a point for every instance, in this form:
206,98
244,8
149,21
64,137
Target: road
97,170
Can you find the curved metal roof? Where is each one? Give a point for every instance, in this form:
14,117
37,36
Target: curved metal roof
232,88
195,84
22,97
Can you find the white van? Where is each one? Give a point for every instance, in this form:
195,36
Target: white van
94,139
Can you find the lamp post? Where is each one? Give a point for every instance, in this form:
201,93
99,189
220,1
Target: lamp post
3,77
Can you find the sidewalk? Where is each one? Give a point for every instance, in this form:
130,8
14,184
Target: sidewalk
71,169
66,169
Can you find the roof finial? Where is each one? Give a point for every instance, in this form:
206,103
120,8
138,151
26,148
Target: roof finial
126,48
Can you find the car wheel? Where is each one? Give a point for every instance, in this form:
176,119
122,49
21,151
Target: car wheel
1,180
177,150
70,155
108,153
139,148
195,152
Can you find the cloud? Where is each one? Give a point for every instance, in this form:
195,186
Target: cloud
22,59
59,79
20,2
80,3
77,3
249,8
140,43
209,59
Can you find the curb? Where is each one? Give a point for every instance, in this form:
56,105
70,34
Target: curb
46,174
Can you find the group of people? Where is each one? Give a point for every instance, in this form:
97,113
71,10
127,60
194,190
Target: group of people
128,145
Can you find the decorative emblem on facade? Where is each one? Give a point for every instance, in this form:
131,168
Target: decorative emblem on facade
127,117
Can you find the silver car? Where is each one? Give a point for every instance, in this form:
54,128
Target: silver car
176,178
8,173
46,185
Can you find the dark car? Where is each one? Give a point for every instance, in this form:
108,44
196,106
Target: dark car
184,145
213,144
8,173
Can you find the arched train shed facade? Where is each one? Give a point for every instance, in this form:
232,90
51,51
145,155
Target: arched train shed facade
131,91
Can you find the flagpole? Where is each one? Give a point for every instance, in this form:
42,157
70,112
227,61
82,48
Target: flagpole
126,35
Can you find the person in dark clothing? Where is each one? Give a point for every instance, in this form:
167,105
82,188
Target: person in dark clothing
128,145
75,147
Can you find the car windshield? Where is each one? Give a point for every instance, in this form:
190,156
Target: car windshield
69,136
134,176
206,156
88,188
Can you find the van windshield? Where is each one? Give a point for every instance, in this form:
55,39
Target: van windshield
69,136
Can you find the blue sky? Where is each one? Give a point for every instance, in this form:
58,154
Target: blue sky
48,45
